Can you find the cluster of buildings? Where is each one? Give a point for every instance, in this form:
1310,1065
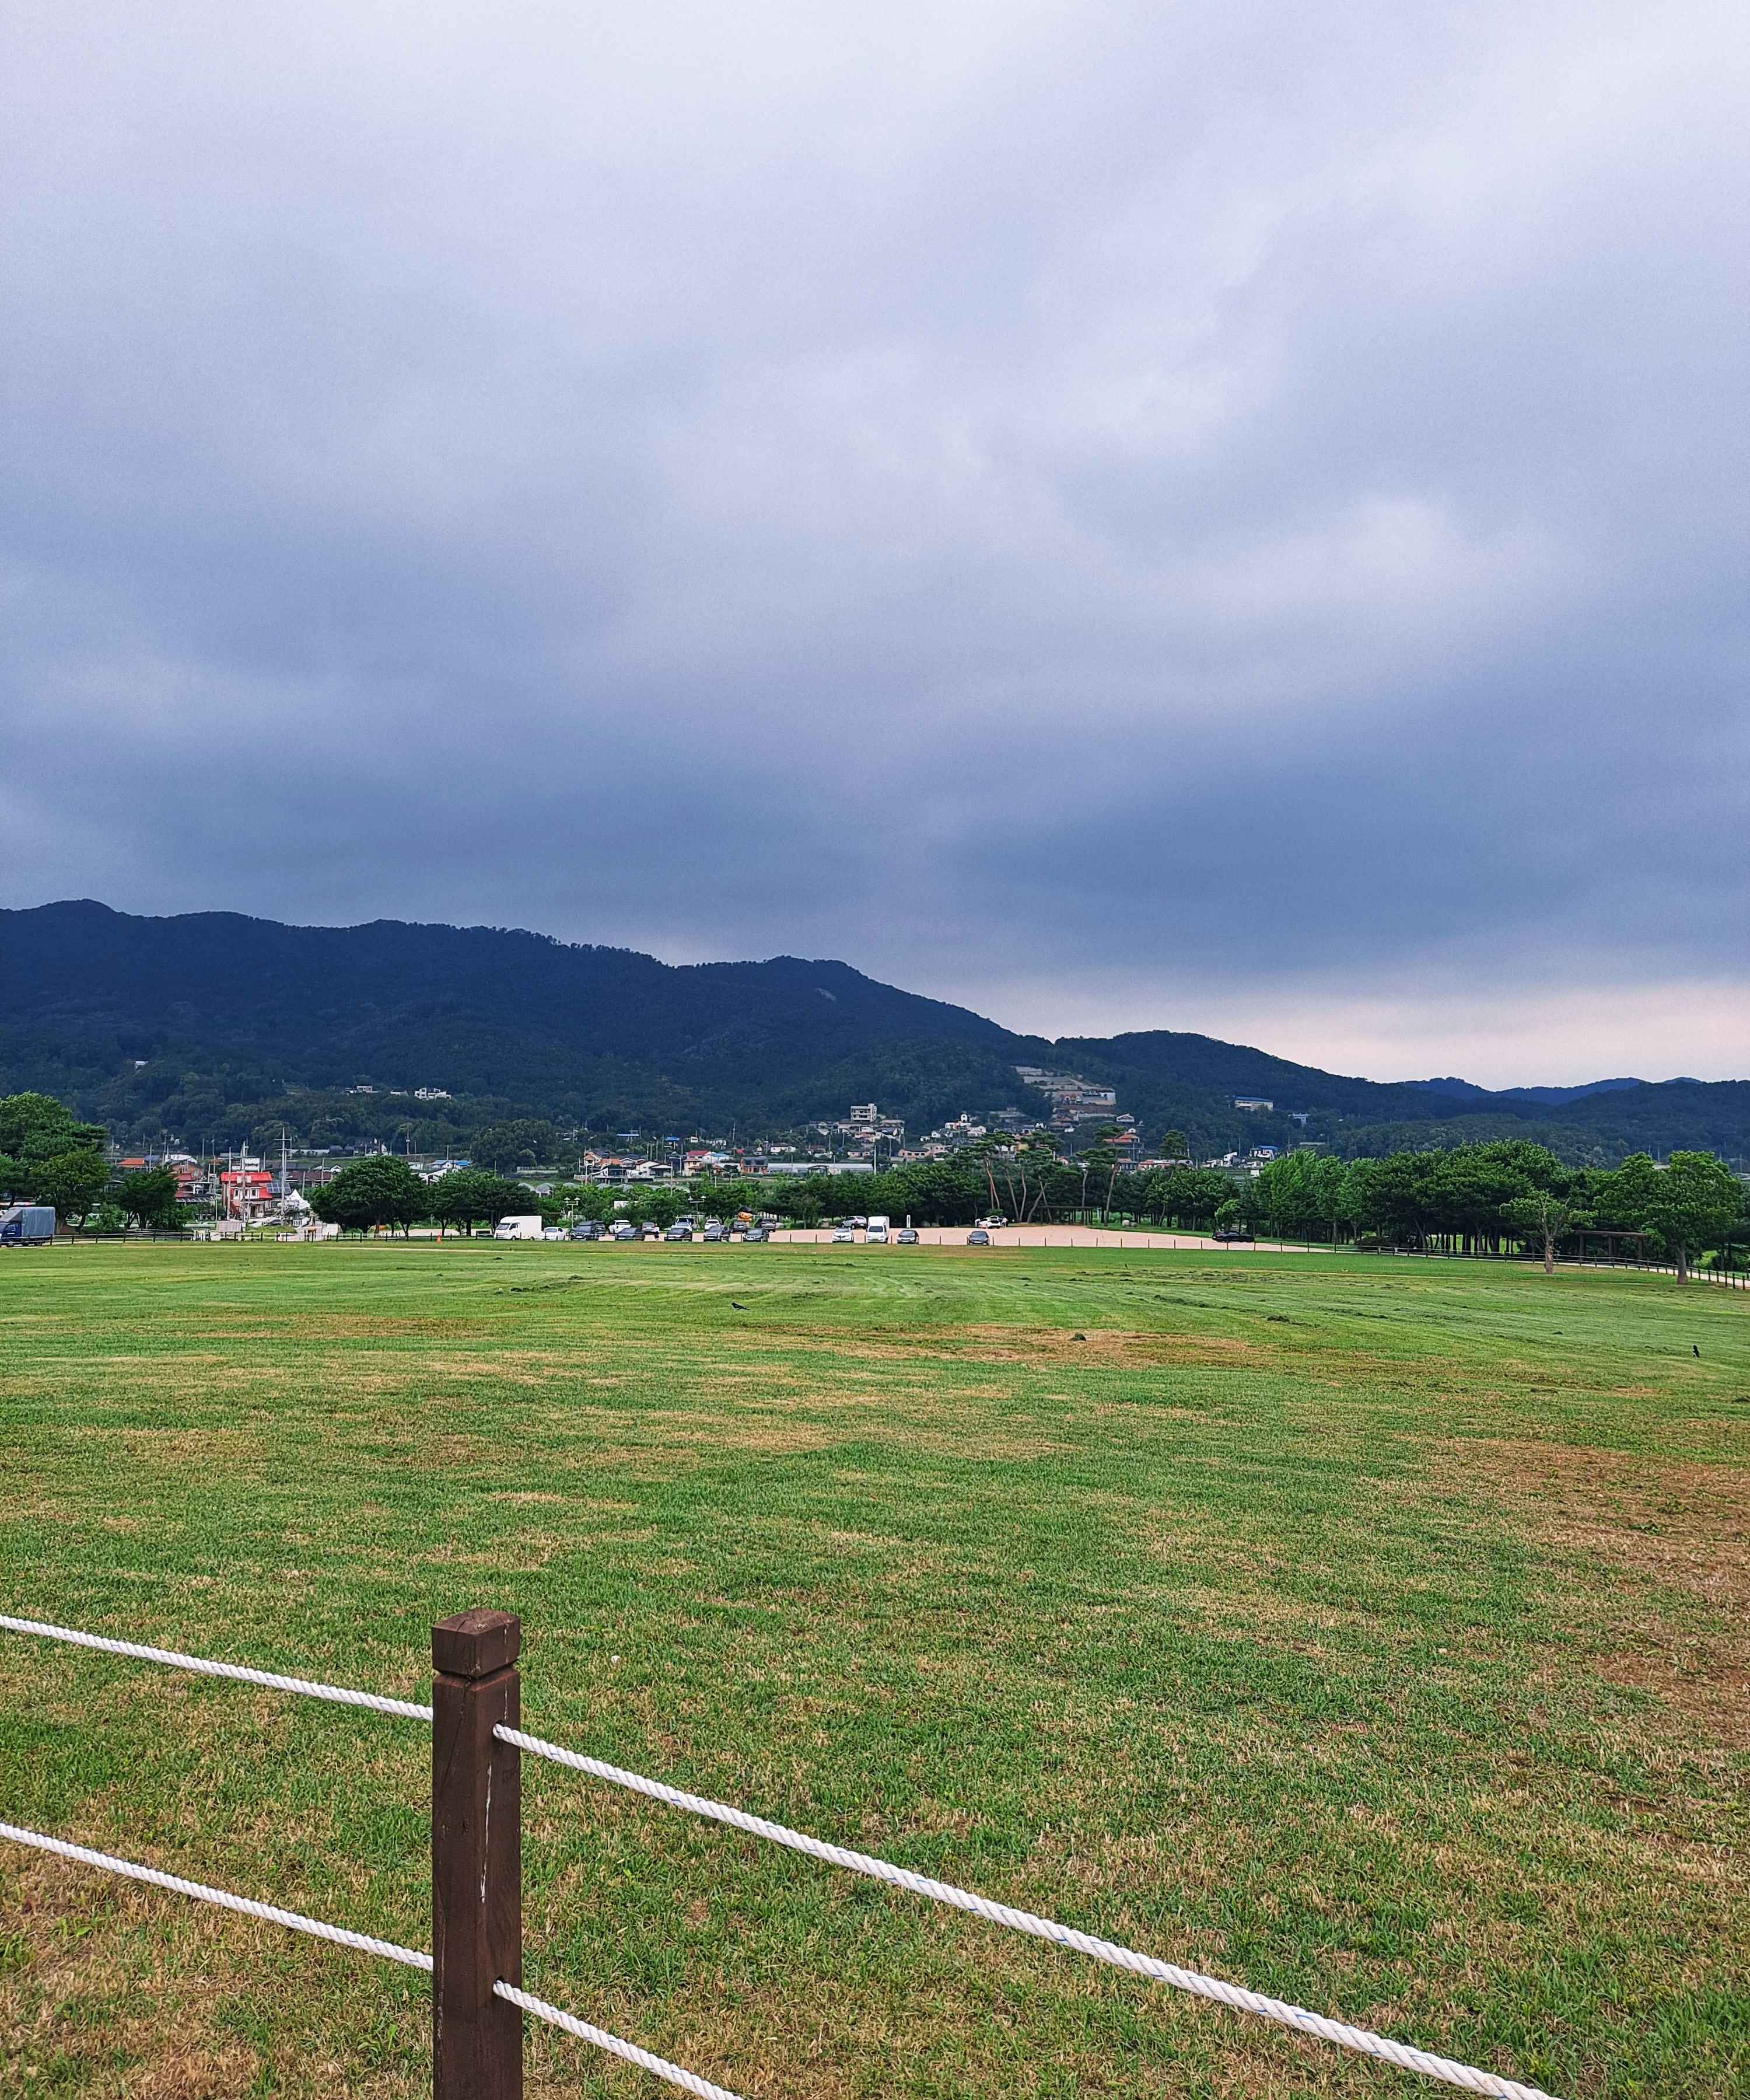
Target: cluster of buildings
862,1133
1073,1099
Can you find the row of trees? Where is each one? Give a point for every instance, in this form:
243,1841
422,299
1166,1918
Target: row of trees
1470,1198
1478,1199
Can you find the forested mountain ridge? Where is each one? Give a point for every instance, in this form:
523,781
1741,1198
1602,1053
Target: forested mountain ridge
207,1024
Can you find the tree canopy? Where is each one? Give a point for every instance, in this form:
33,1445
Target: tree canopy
148,1198
48,1156
379,1191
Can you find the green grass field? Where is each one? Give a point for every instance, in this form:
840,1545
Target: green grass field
1370,1632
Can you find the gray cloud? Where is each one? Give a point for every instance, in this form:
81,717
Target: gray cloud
1216,510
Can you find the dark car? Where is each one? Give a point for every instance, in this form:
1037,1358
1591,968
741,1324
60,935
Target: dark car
714,1231
1231,1236
755,1236
978,1238
589,1230
905,1236
677,1231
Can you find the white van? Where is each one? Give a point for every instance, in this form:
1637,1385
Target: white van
518,1228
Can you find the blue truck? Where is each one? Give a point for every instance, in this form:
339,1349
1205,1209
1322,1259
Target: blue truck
27,1224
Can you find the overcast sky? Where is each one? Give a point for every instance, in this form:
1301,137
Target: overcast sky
1226,517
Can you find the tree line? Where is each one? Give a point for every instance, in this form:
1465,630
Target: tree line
1468,1198
1481,1199
1471,1199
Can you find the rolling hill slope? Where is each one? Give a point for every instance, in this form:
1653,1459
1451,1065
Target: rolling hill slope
211,1023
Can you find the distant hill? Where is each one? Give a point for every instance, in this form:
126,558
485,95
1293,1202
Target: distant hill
1550,1095
212,1027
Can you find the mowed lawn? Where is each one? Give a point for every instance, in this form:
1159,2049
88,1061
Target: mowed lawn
1370,1632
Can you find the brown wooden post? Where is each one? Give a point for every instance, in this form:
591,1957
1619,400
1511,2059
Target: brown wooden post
476,1858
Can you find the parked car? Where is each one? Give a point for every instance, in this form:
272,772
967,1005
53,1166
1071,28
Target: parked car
877,1236
622,1228
651,1232
527,1227
714,1230
677,1231
589,1228
843,1236
978,1237
905,1236
553,1232
1231,1236
755,1236
988,1225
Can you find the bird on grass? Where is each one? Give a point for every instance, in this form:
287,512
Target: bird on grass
738,1305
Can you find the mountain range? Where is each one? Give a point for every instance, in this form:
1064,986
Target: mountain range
212,1027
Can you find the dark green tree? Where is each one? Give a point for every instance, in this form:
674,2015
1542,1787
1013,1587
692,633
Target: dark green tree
469,1196
73,1181
37,1134
502,1147
149,1198
1544,1220
381,1190
1694,1204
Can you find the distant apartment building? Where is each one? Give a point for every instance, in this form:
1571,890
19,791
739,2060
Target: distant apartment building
864,1128
1072,1098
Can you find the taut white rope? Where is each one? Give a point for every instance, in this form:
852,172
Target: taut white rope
658,2066
1212,1987
338,1693
361,1943
269,1913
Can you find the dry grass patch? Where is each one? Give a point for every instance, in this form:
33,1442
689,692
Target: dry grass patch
1668,1520
1109,1348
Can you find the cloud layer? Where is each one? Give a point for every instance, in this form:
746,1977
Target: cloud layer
1128,515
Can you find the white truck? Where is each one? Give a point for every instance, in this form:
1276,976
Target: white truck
874,1233
528,1227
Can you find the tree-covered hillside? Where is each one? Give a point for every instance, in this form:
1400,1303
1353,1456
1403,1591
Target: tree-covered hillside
212,1027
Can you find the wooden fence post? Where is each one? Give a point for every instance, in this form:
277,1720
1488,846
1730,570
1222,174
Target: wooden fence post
476,1858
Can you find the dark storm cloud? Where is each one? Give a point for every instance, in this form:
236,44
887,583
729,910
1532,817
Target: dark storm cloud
1192,500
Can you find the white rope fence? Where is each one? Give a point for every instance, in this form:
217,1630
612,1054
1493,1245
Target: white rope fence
338,1694
361,1943
629,2052
1212,1989
1463,2076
